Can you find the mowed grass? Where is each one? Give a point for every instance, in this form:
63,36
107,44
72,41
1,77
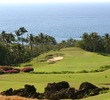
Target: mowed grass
74,59
40,81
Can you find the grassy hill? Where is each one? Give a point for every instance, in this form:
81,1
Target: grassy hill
74,59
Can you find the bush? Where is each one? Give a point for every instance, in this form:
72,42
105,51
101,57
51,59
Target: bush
12,71
5,68
82,71
27,69
49,56
28,65
1,71
18,70
43,60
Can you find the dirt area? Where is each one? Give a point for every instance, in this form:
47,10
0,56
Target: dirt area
14,98
55,59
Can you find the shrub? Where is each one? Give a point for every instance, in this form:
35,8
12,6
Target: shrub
49,56
27,69
43,60
93,71
12,71
1,71
18,70
5,68
28,65
82,71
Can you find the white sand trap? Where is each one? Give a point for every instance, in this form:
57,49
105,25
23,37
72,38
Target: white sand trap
55,59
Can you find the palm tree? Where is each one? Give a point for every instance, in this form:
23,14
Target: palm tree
42,38
107,42
37,43
86,40
3,36
70,42
19,33
22,31
11,38
31,40
94,37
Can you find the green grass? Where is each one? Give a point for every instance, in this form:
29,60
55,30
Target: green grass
40,80
75,59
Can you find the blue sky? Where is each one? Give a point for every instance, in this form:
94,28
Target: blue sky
50,1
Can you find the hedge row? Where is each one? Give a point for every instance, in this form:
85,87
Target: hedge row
8,69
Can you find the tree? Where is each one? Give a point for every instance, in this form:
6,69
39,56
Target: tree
31,42
19,33
86,40
22,31
94,39
107,42
37,43
70,42
3,54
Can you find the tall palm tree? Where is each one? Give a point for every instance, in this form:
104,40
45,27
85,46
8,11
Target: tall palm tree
94,37
86,40
3,36
17,34
107,42
37,43
42,38
20,32
31,41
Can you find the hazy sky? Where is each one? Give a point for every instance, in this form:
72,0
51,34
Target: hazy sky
49,1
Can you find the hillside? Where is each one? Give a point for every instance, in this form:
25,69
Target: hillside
74,59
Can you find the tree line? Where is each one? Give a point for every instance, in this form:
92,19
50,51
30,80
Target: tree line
20,46
16,48
94,42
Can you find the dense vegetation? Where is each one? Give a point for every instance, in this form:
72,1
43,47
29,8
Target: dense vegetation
20,46
95,43
16,48
90,42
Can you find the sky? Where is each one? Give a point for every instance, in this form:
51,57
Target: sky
49,1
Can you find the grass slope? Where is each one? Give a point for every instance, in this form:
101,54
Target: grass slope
40,80
75,59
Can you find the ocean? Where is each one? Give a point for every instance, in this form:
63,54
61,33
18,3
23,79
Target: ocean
62,20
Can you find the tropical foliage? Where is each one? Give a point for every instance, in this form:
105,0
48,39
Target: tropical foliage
19,46
95,43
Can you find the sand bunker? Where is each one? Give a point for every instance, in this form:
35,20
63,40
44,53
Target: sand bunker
55,59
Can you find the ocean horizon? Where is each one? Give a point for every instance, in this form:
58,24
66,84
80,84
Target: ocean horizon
62,21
